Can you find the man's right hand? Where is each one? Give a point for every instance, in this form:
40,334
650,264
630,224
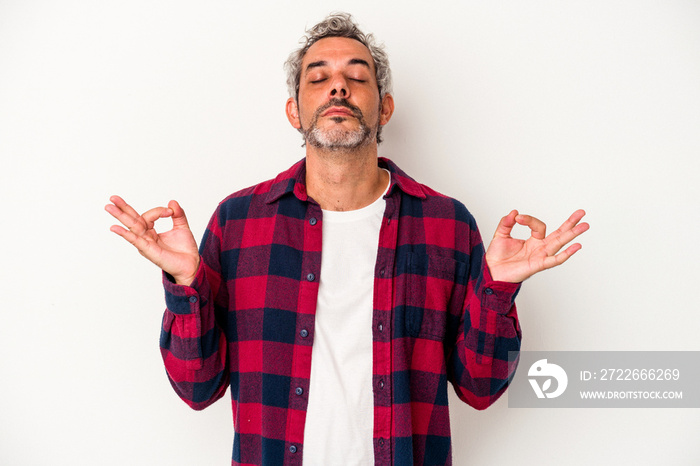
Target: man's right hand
174,251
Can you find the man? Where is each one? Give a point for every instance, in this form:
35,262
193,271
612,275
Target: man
338,299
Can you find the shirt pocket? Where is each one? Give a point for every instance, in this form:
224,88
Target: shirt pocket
434,293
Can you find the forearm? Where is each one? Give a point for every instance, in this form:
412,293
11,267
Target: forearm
193,345
489,331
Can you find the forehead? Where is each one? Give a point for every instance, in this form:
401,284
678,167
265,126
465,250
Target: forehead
337,50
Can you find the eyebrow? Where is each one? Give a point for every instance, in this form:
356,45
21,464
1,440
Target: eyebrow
358,61
320,63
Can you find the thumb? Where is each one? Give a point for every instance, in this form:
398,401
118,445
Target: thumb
178,217
505,226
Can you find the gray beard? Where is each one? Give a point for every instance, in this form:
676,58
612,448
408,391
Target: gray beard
338,139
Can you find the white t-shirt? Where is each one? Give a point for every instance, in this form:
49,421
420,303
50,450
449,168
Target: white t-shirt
340,415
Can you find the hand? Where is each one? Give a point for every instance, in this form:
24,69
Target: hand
513,260
174,251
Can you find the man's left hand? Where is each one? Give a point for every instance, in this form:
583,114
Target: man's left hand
513,260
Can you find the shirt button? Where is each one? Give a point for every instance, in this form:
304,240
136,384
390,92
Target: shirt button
293,449
193,299
381,384
381,442
381,272
488,291
312,221
381,328
311,277
299,391
304,333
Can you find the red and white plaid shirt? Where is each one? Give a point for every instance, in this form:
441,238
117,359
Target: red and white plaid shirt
247,320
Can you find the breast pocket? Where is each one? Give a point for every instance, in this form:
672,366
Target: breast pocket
434,294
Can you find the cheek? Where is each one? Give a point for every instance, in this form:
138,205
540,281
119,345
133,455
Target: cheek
373,115
307,106
372,108
305,115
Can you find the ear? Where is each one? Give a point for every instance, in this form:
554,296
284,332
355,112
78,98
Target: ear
292,110
387,109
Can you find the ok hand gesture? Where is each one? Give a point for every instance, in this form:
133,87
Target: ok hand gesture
513,260
174,251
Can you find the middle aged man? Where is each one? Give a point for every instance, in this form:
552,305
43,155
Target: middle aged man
338,299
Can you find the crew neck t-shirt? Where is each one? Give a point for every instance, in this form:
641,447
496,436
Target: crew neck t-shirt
340,415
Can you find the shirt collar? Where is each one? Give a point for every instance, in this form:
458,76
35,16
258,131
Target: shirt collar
401,180
293,181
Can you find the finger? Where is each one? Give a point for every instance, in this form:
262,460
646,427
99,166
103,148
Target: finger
557,240
127,219
123,212
137,241
123,206
505,226
178,215
537,227
154,214
572,220
555,260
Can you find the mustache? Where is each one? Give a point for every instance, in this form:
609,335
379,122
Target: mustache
335,102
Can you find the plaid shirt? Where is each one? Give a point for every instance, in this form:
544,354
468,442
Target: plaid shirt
247,320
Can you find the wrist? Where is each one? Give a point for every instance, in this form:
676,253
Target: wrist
505,273
187,279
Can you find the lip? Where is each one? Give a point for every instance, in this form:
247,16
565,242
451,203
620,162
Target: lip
338,111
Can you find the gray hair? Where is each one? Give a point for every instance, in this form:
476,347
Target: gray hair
338,25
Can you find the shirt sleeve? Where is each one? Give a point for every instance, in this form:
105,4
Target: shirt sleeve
192,342
489,333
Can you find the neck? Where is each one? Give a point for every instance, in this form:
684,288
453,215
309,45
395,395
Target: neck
344,180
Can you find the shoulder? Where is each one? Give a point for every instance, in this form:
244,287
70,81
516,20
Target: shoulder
441,205
420,200
259,198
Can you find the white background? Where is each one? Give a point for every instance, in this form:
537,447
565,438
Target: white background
544,106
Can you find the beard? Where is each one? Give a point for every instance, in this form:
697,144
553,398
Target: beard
338,138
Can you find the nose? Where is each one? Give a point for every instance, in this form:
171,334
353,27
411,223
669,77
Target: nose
339,87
